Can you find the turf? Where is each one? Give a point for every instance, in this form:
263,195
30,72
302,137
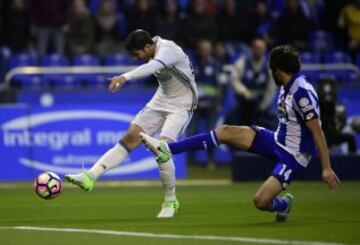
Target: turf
318,214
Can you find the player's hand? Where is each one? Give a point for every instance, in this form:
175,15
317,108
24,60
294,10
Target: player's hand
248,95
330,177
116,83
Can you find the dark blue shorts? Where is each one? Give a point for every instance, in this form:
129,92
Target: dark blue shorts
264,145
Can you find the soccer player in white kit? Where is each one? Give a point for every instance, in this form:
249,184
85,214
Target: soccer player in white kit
168,112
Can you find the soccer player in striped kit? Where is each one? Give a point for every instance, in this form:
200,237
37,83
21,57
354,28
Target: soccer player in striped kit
292,145
168,112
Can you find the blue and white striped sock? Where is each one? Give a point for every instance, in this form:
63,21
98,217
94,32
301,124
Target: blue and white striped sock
278,204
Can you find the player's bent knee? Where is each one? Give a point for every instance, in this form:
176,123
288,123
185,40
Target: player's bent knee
131,140
261,202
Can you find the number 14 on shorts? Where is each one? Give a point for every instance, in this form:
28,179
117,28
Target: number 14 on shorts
285,172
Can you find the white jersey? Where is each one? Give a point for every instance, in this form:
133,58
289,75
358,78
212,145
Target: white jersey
173,70
176,79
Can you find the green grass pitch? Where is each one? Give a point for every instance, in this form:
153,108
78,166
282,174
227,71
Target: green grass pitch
319,214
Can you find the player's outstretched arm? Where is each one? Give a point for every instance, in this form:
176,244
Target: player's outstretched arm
142,71
328,175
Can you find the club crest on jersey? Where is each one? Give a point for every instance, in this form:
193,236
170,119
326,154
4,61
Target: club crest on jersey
304,102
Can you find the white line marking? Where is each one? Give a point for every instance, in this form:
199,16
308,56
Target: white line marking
171,236
132,183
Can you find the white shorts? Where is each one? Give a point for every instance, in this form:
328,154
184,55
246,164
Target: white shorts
170,124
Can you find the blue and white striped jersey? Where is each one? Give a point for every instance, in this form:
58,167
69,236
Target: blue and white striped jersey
297,103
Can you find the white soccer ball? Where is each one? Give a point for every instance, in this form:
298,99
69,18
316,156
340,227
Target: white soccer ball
47,185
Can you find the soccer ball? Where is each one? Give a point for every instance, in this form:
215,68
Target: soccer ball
47,185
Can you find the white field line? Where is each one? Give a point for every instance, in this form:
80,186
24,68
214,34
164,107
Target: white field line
171,236
136,183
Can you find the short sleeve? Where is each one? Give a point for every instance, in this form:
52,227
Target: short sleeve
305,103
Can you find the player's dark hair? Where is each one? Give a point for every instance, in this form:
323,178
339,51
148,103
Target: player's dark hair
137,40
285,59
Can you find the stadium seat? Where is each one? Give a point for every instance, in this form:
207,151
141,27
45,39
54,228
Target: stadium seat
88,79
326,75
340,57
21,60
56,60
321,41
337,57
118,60
124,60
310,58
86,60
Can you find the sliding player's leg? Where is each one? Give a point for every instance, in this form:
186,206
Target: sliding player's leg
111,159
237,136
267,199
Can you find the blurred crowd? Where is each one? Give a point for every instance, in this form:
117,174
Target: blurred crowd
99,26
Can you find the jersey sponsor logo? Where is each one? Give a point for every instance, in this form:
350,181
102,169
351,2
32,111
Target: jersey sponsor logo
304,101
307,108
282,110
309,116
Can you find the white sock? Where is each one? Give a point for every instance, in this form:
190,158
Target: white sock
167,176
109,160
